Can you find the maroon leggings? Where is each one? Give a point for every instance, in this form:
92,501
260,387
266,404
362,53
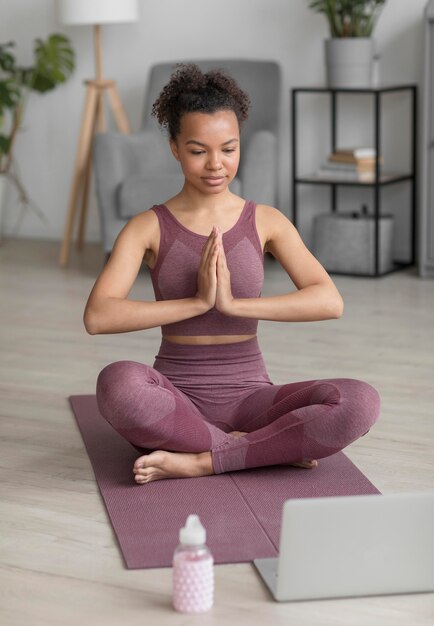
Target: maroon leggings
194,395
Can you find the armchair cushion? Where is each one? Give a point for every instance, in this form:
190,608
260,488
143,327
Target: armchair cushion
140,192
258,170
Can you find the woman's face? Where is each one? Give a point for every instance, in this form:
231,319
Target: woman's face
208,149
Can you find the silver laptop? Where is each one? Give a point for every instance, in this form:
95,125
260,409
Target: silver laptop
365,545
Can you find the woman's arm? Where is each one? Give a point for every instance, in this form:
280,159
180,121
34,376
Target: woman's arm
108,310
316,298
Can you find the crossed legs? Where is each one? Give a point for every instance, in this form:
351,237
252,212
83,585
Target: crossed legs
280,424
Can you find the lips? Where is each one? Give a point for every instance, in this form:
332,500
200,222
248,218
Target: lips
213,181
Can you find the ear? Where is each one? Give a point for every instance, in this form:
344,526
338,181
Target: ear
174,148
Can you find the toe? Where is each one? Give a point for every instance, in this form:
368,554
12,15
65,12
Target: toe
145,461
140,462
306,464
142,478
310,464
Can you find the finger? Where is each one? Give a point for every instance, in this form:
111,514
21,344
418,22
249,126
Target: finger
217,241
219,234
212,234
211,239
211,260
220,268
222,257
208,248
222,265
215,254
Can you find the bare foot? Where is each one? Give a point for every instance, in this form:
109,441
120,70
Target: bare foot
162,464
237,433
306,464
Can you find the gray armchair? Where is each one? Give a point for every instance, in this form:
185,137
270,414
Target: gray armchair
134,172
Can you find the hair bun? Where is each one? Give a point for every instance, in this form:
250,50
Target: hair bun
190,90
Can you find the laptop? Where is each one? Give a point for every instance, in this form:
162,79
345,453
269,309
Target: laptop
333,547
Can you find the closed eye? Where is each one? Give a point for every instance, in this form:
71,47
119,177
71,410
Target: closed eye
202,151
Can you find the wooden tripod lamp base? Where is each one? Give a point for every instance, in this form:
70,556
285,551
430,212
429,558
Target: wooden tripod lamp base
93,121
79,13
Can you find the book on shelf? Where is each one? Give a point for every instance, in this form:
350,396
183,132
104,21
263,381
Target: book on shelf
354,175
357,153
348,167
345,174
362,157
344,168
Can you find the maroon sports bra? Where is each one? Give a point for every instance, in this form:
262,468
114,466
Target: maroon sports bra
174,275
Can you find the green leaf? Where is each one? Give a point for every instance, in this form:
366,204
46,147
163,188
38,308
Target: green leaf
55,62
5,142
10,94
43,83
24,76
349,18
7,60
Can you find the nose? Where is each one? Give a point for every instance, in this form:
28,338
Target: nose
214,162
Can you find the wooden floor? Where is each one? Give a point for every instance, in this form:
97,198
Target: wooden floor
60,563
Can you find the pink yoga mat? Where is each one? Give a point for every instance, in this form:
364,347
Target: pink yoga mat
241,511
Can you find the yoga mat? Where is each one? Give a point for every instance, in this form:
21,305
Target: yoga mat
241,511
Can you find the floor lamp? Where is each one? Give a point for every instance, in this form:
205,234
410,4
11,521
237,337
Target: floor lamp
96,13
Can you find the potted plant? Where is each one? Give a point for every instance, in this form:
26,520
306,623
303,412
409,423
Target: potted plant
350,50
54,61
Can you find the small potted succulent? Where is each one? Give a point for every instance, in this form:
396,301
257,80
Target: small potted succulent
54,62
350,50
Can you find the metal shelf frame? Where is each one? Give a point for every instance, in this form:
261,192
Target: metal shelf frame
377,183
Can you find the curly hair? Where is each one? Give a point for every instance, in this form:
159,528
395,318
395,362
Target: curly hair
191,90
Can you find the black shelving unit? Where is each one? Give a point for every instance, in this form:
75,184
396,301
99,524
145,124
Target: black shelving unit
380,180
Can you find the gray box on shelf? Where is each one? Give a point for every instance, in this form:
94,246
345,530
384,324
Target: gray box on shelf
345,243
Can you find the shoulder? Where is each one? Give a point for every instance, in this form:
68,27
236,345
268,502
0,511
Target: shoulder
143,224
274,224
270,212
140,233
149,216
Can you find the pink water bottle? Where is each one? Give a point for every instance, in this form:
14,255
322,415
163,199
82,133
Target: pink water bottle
193,573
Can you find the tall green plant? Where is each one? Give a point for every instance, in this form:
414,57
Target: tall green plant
54,62
349,18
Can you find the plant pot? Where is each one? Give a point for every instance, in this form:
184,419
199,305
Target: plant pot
349,62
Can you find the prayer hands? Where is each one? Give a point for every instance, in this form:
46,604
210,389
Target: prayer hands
213,278
207,272
224,298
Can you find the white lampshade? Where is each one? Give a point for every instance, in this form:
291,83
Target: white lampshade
98,11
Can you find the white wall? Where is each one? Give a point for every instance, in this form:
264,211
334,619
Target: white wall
283,30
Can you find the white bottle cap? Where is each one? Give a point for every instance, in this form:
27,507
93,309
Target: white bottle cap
193,533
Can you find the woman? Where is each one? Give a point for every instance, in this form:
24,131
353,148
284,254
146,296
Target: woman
207,405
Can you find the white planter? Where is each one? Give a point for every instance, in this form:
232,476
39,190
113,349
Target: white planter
349,62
